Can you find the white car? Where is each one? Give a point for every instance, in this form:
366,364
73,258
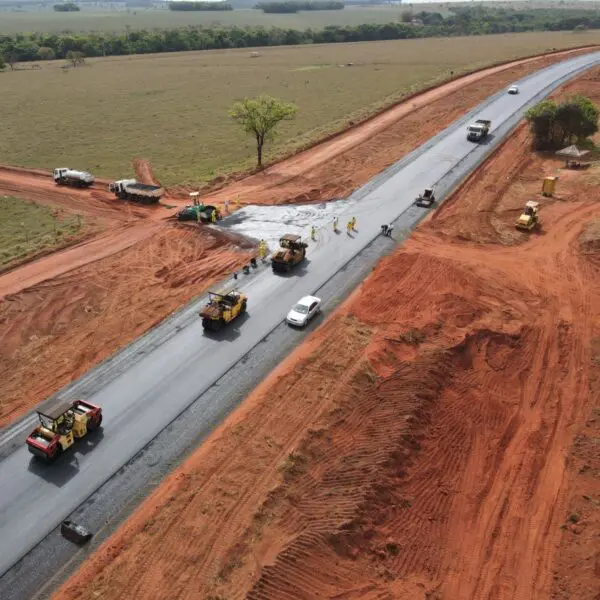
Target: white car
513,89
303,311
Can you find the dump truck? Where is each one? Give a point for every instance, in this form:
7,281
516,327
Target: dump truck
222,308
291,252
529,218
60,426
190,213
478,130
65,176
130,189
426,199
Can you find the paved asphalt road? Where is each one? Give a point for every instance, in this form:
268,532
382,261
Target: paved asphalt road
141,392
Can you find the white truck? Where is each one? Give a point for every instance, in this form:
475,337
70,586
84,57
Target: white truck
65,176
130,189
478,130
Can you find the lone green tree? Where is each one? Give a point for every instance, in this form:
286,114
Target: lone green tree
75,58
260,116
556,125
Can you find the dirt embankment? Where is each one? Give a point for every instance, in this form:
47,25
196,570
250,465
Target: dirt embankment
54,331
426,442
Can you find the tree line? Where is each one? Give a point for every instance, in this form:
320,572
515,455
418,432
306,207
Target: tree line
294,7
23,47
200,6
556,125
66,7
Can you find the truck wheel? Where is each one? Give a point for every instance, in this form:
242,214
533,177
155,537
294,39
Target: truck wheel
243,307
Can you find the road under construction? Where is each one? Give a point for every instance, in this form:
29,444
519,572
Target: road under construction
157,374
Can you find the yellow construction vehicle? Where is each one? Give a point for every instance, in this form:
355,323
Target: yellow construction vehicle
60,426
529,219
292,252
222,308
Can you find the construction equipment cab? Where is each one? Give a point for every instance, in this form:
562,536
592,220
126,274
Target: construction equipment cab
426,199
60,426
206,213
222,308
291,252
66,176
529,217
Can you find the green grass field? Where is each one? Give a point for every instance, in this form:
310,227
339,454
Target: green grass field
27,229
43,19
172,108
118,20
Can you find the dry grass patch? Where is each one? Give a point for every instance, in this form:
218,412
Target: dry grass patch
172,108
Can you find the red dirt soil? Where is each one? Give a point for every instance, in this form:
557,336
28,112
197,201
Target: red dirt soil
436,438
55,331
330,170
129,226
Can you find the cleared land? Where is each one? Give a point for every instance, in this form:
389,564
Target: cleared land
28,229
88,20
121,306
436,438
172,109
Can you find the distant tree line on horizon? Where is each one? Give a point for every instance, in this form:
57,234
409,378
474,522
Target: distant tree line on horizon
466,21
200,6
66,7
294,7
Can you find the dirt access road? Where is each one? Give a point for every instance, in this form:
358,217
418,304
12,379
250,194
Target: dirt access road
436,438
125,289
330,170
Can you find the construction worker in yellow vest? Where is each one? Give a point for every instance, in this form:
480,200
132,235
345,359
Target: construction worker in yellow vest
262,248
335,224
353,221
313,233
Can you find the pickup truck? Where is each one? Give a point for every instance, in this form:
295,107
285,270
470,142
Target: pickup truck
478,130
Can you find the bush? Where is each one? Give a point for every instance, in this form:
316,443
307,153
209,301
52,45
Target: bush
555,126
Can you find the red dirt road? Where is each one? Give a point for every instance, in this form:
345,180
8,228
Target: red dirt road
429,441
104,245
